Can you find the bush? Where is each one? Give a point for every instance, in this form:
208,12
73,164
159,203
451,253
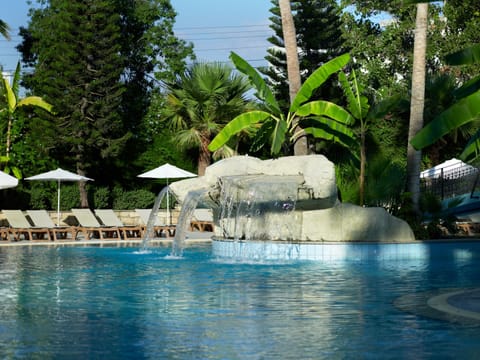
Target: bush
40,198
101,198
70,197
134,199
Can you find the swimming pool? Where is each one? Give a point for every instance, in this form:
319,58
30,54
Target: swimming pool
112,303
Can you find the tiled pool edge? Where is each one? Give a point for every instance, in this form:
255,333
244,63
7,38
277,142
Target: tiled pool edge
332,251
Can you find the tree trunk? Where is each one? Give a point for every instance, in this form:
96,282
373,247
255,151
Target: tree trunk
417,103
363,161
203,157
82,186
9,136
293,68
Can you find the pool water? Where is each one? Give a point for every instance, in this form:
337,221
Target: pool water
119,303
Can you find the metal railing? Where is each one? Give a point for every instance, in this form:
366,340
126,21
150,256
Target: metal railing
450,182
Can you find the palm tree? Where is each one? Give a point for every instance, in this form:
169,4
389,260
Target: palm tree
293,68
4,30
200,102
417,103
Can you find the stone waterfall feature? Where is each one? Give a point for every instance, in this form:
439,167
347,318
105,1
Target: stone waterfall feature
291,199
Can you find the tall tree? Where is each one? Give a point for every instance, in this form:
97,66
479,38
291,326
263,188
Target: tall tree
200,102
319,39
417,103
94,60
293,70
79,71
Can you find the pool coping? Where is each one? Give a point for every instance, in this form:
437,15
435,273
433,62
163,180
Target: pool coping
99,242
209,237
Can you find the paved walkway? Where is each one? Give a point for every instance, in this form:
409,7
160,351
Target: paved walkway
455,305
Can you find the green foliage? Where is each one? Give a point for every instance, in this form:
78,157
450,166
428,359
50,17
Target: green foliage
40,197
465,110
133,199
69,197
199,104
322,118
318,26
4,30
101,198
99,77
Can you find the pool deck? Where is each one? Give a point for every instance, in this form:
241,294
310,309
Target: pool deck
192,238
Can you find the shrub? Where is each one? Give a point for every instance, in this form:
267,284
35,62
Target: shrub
133,199
101,198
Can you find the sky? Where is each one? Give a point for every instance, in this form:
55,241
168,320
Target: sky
216,27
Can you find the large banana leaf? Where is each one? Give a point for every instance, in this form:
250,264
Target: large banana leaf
16,80
468,88
460,113
263,91
11,99
357,103
238,124
325,108
263,135
278,136
472,150
317,78
327,133
330,126
35,101
468,56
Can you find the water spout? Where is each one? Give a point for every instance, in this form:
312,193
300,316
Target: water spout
188,207
149,231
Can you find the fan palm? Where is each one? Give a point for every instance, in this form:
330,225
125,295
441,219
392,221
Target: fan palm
4,28
200,102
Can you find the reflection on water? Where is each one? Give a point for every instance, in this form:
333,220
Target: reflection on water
118,303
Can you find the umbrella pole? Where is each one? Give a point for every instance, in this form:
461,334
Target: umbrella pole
58,204
168,205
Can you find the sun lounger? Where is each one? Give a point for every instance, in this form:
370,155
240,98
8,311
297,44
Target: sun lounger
110,219
202,220
41,219
19,225
160,230
90,227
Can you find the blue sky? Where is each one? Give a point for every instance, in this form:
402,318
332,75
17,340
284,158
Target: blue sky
216,27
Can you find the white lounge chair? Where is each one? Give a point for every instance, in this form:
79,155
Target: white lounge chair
202,220
19,225
89,225
160,230
110,219
41,219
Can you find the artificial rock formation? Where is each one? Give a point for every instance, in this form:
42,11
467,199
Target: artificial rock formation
287,199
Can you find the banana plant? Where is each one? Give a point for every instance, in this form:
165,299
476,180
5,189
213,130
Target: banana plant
319,118
10,94
465,110
359,107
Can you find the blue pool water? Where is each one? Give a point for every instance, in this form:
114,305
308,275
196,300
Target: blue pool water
116,303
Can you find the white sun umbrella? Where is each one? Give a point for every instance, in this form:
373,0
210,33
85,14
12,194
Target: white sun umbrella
59,176
167,172
7,181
